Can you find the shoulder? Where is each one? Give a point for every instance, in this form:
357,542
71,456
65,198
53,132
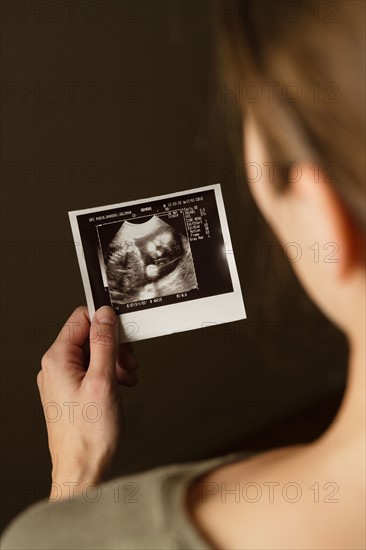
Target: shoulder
103,513
146,510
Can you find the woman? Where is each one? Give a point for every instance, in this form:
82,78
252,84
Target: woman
308,125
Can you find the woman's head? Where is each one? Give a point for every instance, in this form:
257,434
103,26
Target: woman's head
301,69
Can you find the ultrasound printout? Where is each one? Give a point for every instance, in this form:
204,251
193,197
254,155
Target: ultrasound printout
163,251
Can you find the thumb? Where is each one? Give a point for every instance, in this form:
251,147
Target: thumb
103,342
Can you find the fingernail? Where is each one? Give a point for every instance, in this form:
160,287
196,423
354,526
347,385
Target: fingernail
106,315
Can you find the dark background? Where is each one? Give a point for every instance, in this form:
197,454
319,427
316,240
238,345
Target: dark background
139,124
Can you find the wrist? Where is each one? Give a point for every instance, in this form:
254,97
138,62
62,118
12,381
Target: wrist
69,481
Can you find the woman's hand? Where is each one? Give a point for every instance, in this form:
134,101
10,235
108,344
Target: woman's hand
81,400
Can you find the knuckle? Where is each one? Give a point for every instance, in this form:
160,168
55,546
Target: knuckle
104,337
39,379
81,309
46,360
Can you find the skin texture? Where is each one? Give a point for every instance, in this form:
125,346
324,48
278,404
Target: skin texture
307,212
81,400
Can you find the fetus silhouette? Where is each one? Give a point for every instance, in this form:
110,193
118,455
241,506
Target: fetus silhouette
148,259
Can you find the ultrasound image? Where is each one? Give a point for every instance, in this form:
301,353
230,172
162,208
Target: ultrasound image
147,260
157,252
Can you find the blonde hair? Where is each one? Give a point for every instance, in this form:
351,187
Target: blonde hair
309,57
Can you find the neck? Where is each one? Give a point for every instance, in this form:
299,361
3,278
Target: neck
351,424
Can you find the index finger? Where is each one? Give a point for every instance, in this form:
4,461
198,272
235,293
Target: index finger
76,329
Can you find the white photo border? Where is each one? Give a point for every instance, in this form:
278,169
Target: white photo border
170,318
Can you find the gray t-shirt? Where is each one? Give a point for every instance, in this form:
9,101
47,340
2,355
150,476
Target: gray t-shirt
146,511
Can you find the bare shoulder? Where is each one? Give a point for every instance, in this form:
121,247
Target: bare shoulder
271,499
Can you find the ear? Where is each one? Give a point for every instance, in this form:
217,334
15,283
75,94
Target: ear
329,260
319,218
310,219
